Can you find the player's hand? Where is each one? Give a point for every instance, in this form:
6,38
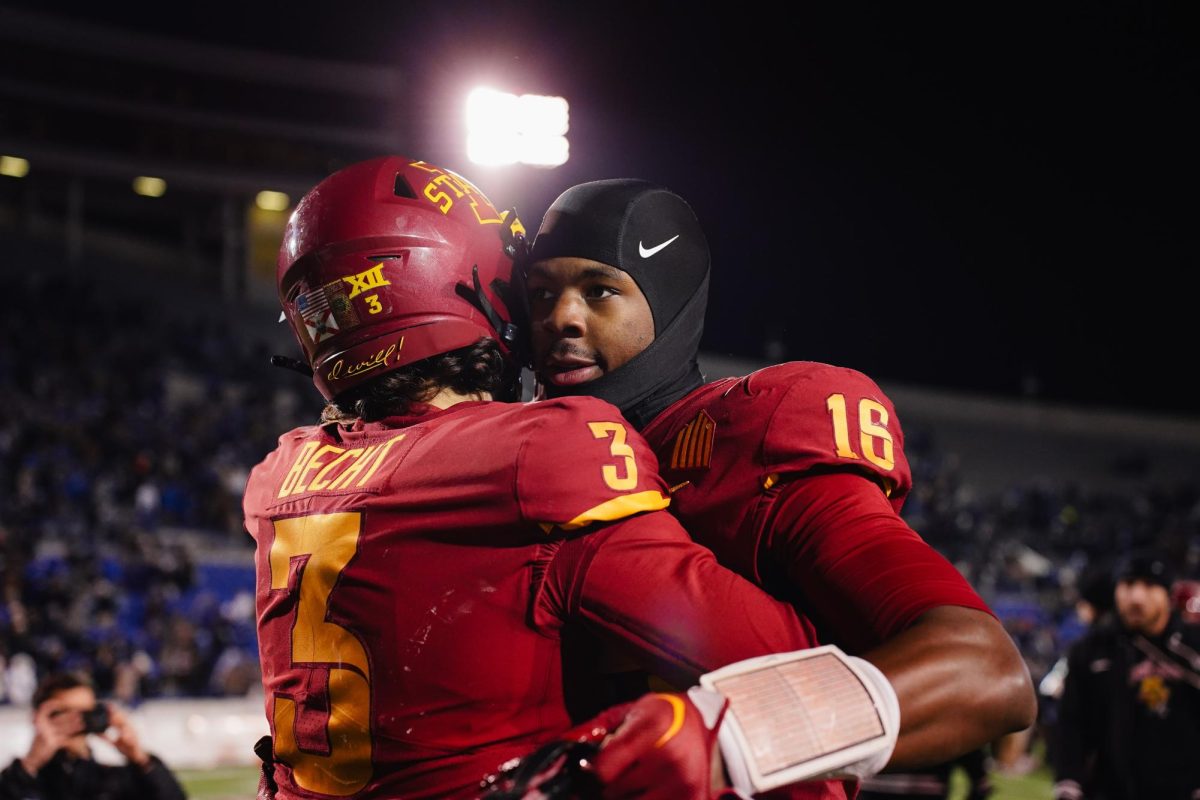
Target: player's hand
267,788
664,747
122,735
660,746
555,771
53,728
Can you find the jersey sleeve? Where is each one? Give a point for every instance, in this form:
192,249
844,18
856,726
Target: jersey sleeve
646,587
834,418
581,462
860,571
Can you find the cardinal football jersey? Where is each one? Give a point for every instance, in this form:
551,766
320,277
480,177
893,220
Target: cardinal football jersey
767,470
414,577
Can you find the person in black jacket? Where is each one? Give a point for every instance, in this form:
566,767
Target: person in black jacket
59,764
1129,719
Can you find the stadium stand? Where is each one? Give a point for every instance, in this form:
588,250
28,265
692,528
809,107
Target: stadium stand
131,427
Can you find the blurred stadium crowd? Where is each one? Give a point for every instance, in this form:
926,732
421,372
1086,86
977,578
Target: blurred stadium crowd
126,444
1035,549
131,424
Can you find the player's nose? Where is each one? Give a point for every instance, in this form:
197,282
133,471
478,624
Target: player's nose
568,316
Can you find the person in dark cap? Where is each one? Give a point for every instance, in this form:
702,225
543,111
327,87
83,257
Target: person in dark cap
793,475
1129,719
1142,596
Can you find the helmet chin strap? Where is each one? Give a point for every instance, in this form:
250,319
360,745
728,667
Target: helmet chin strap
516,247
506,331
659,375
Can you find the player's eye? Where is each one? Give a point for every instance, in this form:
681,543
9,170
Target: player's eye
599,292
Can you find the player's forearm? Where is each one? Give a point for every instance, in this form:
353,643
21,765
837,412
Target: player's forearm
681,614
961,684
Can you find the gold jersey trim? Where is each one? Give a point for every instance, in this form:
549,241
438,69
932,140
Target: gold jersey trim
625,505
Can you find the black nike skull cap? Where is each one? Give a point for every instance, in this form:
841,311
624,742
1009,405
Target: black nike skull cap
636,226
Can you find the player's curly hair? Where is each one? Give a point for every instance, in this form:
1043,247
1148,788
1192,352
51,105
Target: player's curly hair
472,370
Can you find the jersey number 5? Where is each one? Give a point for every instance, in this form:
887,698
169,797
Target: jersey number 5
326,740
872,431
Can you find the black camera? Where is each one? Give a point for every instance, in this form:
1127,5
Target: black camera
95,720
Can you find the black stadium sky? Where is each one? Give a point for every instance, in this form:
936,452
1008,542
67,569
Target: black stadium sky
996,199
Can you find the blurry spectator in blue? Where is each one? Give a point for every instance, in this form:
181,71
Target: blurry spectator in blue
59,764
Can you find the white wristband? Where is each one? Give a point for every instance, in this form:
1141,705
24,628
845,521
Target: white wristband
889,712
804,715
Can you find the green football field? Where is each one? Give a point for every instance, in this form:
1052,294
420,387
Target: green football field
228,783
239,783
1037,785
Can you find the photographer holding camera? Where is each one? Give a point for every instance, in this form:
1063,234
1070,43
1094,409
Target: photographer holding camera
59,764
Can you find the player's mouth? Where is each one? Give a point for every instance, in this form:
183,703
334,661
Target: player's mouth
567,370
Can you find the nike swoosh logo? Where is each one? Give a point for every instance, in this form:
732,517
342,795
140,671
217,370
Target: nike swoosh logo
644,253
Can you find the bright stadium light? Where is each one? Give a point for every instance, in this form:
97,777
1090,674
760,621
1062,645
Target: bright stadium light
492,150
14,166
272,201
147,186
543,116
503,128
544,151
489,110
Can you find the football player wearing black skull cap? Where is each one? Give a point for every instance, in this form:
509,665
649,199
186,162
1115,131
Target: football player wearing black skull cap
794,475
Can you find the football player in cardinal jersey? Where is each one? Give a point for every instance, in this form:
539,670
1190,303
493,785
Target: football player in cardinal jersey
793,475
424,554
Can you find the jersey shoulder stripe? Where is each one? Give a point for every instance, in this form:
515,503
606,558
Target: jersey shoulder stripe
582,462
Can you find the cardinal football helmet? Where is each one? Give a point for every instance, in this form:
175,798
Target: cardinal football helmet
393,260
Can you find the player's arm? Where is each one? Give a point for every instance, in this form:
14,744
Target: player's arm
770,720
644,584
960,681
880,588
760,724
634,577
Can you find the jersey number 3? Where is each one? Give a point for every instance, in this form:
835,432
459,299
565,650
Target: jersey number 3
619,449
328,742
872,430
